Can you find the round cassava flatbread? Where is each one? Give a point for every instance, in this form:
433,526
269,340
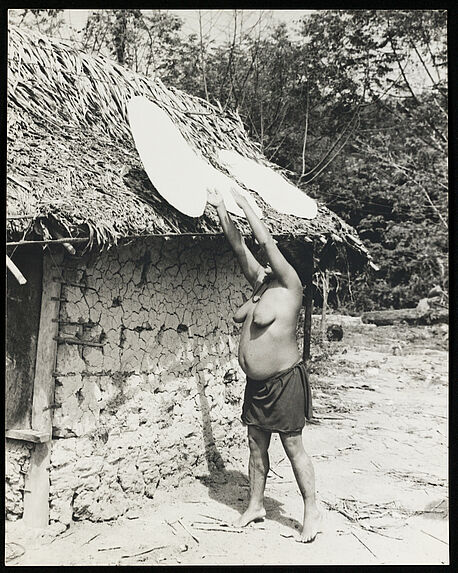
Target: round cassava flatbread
172,166
282,195
178,173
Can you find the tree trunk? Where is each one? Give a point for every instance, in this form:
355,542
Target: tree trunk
306,275
409,315
325,282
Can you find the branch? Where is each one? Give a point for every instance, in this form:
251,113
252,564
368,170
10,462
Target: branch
229,62
323,167
282,119
305,130
425,38
433,143
414,46
202,57
310,175
409,87
406,81
253,125
151,51
277,148
393,83
406,172
434,83
323,163
428,122
253,59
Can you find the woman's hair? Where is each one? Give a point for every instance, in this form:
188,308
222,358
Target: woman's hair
294,259
292,252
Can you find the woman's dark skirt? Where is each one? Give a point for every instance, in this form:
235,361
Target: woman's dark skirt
280,403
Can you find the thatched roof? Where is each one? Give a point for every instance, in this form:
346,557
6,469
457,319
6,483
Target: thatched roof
73,169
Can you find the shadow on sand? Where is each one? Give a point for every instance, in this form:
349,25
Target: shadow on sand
231,487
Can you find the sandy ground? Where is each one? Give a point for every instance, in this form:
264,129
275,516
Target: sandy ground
379,448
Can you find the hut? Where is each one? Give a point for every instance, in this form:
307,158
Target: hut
121,364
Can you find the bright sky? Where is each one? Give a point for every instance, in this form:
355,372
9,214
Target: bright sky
216,24
219,23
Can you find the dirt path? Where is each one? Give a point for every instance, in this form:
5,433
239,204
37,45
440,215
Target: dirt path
380,456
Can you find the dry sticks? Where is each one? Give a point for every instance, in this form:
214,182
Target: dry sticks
91,539
196,539
12,553
220,525
356,517
362,543
222,529
434,537
144,552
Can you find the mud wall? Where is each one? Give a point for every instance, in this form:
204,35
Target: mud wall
17,457
161,397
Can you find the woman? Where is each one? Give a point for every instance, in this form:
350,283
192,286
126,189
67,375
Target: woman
277,394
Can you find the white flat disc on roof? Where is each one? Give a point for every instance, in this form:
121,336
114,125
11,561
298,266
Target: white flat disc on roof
282,195
172,166
223,183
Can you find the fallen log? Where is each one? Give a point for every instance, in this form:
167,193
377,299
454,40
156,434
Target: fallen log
408,315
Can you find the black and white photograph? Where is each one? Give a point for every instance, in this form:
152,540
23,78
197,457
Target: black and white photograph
227,287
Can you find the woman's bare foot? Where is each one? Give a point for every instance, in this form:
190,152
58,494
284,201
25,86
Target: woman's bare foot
312,525
250,515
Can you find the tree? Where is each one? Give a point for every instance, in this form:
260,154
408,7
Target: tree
146,41
395,169
47,21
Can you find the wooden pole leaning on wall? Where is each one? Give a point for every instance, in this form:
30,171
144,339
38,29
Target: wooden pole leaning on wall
15,271
36,493
308,300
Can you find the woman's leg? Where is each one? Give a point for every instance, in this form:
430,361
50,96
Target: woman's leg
258,468
305,477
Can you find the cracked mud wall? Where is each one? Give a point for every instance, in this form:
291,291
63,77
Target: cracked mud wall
161,399
17,458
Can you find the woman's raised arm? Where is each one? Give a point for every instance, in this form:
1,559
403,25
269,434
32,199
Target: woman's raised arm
283,271
250,266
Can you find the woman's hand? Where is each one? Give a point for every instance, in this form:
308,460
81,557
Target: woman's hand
214,197
239,199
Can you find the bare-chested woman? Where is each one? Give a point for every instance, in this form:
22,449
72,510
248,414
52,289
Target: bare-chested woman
277,394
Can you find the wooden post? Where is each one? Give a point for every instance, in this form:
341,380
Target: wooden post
308,301
324,307
36,493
